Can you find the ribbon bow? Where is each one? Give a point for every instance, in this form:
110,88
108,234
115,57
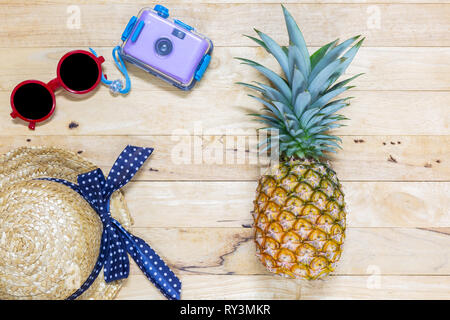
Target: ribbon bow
116,242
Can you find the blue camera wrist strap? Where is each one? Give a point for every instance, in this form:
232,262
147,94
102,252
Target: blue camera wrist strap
116,86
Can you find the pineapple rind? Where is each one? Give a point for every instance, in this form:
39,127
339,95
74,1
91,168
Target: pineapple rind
300,220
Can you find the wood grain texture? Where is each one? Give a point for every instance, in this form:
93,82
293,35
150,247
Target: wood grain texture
320,23
222,105
385,68
383,287
195,210
218,113
237,287
162,113
211,204
392,251
216,287
375,158
143,3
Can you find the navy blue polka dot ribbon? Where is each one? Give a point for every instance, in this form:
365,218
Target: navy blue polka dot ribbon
117,243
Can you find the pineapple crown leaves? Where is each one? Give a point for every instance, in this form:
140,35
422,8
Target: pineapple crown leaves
300,104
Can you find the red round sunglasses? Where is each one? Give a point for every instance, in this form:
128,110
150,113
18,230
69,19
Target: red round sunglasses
78,72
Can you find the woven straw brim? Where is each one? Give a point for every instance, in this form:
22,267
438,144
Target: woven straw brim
49,235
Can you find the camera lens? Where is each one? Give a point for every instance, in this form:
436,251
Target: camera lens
163,46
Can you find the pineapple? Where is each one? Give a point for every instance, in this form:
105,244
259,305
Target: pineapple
299,212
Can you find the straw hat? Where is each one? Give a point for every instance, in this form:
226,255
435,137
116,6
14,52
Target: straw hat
49,235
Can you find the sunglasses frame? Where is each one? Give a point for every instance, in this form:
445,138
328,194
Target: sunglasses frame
54,85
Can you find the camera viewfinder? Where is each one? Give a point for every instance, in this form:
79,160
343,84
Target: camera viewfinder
178,33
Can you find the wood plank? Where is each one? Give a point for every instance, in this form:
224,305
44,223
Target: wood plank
385,68
102,24
215,287
228,204
363,158
382,287
221,112
225,106
234,287
392,251
413,157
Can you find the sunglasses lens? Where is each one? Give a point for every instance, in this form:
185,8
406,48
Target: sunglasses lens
33,101
79,72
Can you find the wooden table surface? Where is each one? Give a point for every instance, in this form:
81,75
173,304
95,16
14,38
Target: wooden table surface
395,163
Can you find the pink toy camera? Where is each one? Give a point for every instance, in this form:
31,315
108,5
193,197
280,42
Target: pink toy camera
166,48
